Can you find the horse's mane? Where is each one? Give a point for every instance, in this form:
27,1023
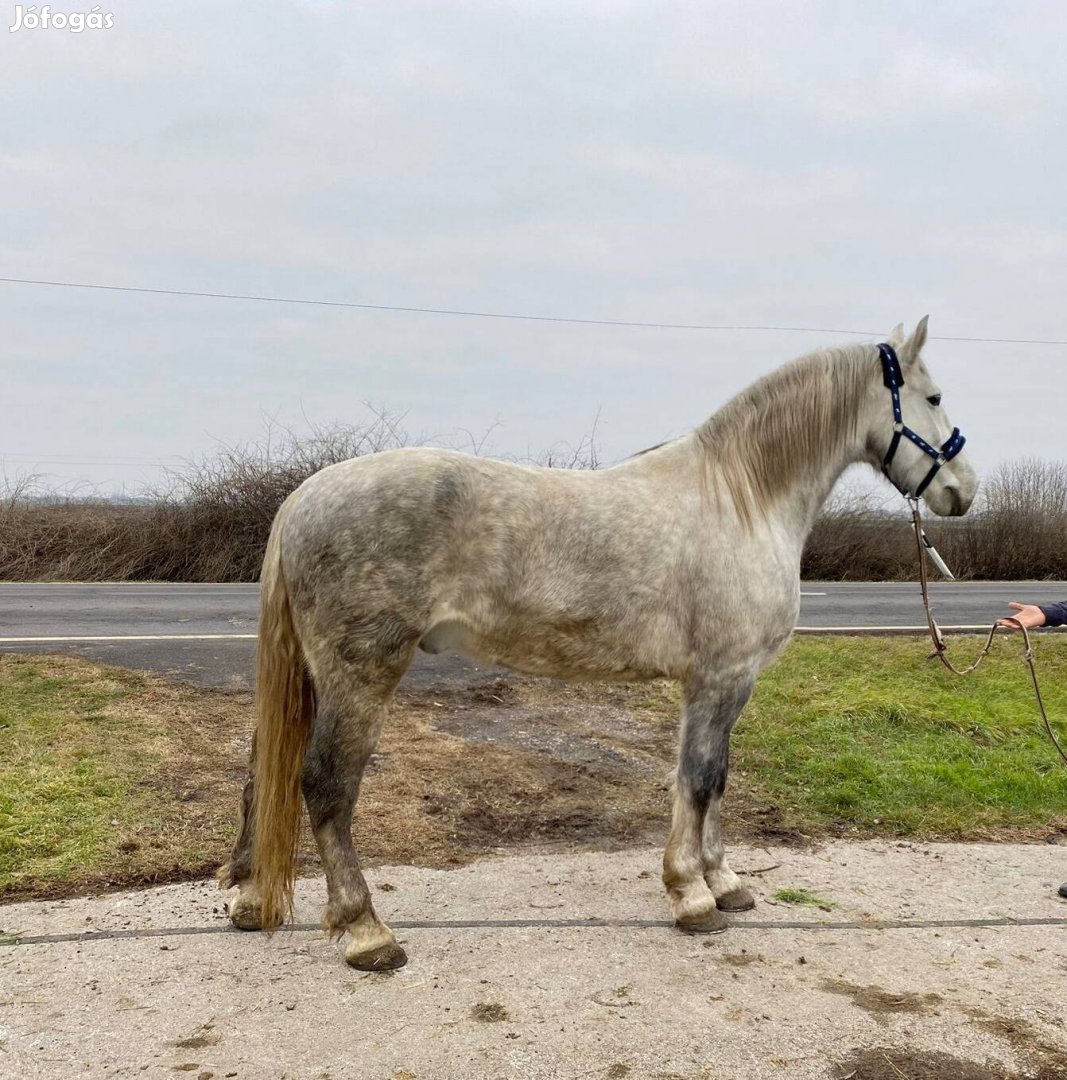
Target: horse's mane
803,411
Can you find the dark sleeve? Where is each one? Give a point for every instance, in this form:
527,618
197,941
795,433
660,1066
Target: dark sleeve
1055,614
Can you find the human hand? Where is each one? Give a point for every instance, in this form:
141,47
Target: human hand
1029,615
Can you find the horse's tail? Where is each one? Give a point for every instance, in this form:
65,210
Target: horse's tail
285,712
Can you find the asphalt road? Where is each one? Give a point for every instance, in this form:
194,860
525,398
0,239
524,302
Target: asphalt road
206,633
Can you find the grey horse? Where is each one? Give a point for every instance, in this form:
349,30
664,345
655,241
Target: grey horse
682,562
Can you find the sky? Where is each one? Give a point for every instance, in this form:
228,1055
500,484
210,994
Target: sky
838,166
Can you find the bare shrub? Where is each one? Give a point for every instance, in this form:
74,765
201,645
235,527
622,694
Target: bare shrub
1018,530
212,520
855,540
585,454
210,524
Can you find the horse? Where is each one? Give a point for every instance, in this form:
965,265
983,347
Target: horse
681,562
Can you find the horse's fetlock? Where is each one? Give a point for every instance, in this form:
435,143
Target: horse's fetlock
690,898
694,908
340,913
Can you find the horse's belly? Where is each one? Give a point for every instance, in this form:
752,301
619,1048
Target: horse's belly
575,653
448,635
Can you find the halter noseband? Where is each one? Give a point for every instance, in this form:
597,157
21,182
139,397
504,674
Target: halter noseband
893,378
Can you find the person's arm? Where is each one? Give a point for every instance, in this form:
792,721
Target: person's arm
1031,615
1055,614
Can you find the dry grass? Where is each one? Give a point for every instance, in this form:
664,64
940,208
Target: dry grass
115,778
112,778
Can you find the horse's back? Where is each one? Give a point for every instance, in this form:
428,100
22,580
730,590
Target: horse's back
505,562
392,507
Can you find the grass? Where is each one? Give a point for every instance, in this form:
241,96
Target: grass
110,777
66,768
866,734
91,768
803,898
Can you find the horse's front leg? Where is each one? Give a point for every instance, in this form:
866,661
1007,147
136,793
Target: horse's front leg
694,869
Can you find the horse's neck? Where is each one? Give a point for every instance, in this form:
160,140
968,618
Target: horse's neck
781,445
798,509
814,476
802,442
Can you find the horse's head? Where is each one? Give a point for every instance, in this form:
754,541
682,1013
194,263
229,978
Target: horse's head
911,439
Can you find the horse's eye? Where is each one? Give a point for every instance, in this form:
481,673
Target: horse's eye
934,399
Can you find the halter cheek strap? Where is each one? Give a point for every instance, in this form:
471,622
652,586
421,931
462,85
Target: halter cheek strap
893,378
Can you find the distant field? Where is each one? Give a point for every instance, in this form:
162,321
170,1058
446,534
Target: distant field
110,777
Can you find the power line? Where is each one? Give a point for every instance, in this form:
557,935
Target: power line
504,315
46,459
423,310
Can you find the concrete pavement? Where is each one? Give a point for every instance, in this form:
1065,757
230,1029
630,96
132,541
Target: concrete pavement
941,956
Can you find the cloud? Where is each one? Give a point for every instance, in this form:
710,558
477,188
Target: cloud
747,162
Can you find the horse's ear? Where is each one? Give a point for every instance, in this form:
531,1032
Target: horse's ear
896,335
913,346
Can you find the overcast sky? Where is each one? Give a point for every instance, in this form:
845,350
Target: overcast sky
833,165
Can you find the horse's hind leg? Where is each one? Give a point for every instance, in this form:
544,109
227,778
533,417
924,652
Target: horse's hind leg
350,711
694,869
244,909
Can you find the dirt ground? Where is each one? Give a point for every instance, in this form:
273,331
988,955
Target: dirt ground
568,787
516,765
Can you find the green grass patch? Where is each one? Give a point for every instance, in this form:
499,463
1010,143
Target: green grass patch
67,769
867,734
99,777
803,898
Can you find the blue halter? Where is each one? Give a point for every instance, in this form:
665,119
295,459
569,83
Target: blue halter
893,378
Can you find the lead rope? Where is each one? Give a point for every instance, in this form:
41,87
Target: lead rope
940,648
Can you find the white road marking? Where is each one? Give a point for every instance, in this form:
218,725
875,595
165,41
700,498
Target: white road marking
247,585
813,594
129,637
959,628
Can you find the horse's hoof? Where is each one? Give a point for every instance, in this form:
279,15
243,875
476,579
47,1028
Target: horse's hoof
387,957
739,899
711,922
245,914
